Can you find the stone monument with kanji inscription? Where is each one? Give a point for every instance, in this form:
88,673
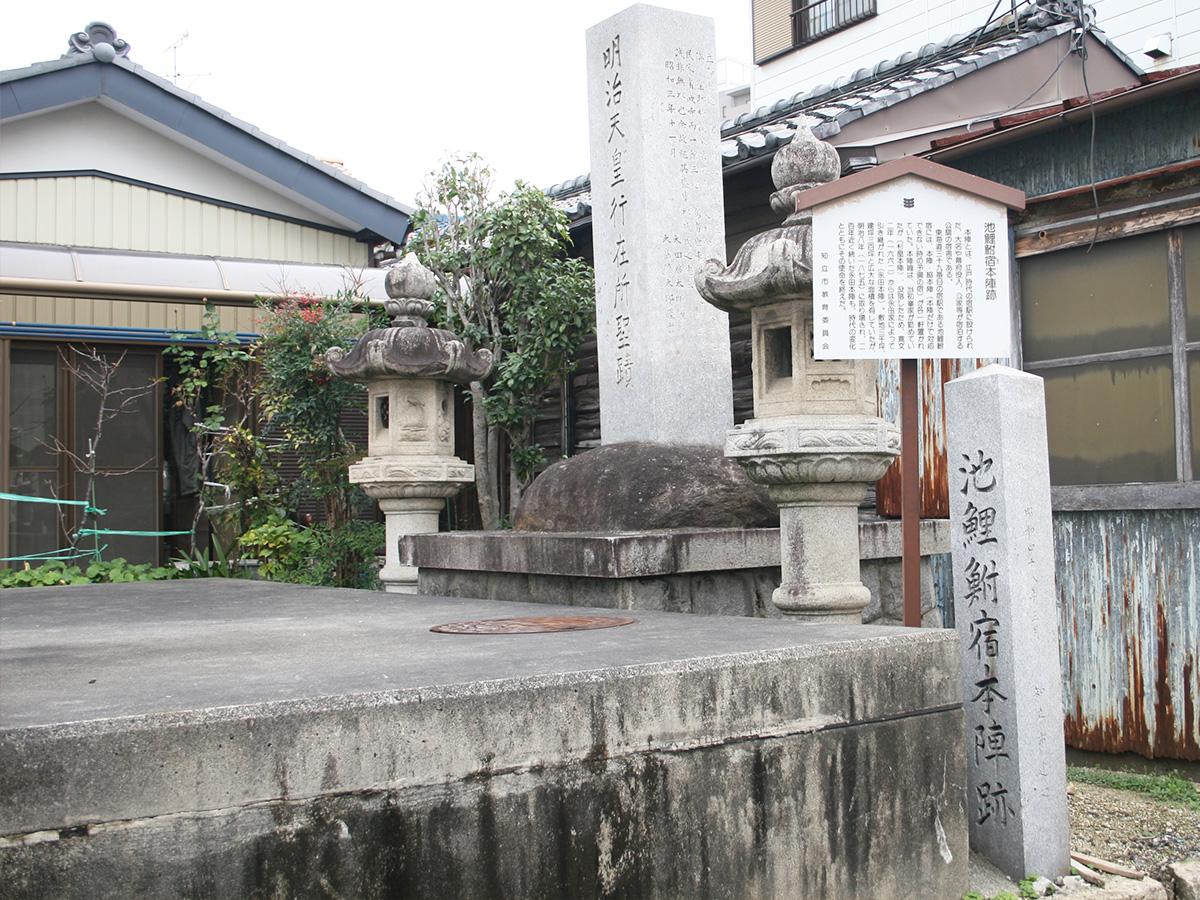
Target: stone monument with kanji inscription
1005,610
657,213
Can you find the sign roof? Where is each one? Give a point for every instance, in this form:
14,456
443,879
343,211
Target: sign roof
911,165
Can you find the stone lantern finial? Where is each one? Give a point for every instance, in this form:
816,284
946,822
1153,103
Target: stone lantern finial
802,163
409,348
777,264
409,287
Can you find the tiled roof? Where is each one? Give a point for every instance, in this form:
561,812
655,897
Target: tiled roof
827,108
16,99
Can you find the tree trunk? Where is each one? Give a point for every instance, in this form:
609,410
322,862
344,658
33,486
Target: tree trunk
486,488
516,482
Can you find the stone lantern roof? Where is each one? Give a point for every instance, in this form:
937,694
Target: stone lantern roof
409,347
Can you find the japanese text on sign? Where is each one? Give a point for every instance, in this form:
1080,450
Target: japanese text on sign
980,592
908,272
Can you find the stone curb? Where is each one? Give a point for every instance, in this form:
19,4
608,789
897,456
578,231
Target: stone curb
1187,879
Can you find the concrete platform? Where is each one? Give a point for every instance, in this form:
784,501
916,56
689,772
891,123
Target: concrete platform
243,739
708,571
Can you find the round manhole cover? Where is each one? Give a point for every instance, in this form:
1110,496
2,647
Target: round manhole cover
532,625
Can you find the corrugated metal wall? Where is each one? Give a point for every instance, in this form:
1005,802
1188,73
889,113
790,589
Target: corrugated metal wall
932,375
1128,587
88,211
772,26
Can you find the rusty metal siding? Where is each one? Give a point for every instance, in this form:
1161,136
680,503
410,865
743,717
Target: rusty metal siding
1129,592
932,375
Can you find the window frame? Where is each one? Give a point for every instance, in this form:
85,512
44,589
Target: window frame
66,406
1037,239
800,37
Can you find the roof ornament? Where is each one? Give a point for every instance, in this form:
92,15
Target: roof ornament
1046,12
100,39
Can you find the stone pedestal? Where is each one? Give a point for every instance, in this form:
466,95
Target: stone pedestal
703,571
409,506
817,469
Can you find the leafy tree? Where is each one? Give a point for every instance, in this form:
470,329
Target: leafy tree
506,285
215,391
301,398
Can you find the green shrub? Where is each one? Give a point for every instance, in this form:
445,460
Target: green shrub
279,545
57,572
338,557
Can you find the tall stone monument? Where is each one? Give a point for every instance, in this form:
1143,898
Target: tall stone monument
657,213
1004,608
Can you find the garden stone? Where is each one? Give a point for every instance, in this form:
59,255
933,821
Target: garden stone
1187,879
644,486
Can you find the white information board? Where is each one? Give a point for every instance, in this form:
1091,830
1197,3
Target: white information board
910,269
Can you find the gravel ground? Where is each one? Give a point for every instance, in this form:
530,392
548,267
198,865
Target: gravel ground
1132,829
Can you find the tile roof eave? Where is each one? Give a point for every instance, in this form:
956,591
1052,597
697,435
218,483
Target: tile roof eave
833,107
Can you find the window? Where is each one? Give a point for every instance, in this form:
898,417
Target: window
783,25
1115,333
50,410
814,20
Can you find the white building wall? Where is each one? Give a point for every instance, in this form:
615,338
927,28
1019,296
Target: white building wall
907,25
93,137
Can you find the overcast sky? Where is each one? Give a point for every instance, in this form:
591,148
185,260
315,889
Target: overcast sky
389,88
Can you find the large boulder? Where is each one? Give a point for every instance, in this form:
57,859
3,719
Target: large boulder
641,487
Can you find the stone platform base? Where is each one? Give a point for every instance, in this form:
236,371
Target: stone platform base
729,572
228,739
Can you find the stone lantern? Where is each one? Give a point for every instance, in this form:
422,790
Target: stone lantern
410,370
815,440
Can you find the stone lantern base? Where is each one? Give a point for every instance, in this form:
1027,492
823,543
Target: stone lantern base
411,492
817,469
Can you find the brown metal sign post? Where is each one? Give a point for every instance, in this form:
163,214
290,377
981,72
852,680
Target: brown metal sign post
911,262
910,492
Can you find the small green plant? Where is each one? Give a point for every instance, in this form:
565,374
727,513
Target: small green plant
1172,789
973,895
338,557
1027,889
280,546
57,572
202,564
